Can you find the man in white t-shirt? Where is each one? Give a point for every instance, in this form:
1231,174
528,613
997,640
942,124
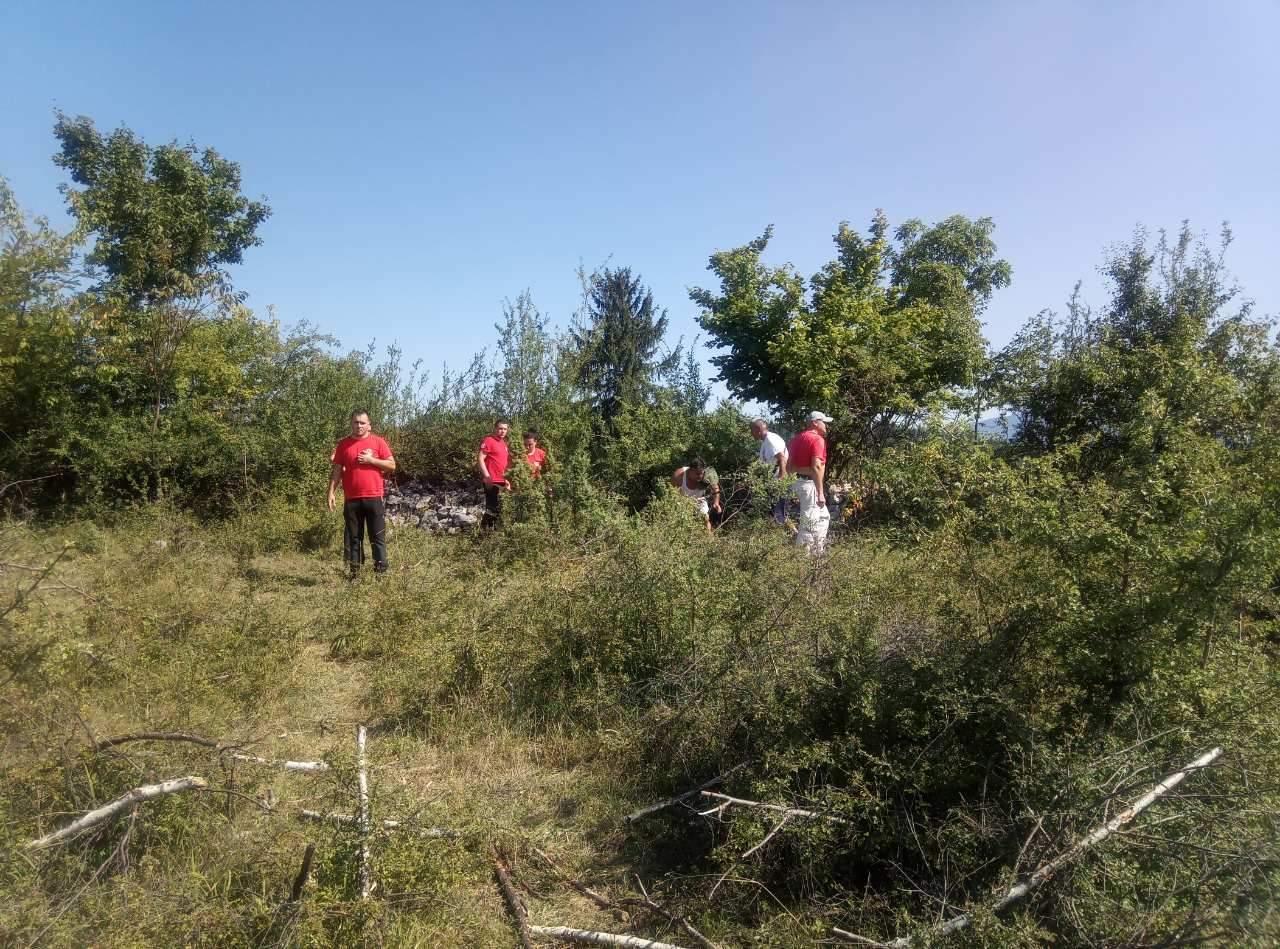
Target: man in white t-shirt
773,452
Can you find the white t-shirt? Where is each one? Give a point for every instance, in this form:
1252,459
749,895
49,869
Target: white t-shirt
771,446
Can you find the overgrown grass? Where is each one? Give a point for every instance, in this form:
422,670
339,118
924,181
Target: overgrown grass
526,691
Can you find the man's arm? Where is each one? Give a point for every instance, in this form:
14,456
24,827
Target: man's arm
819,473
484,471
781,459
387,464
335,479
675,478
714,491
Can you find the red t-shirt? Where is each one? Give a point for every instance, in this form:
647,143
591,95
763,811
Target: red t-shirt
496,455
535,459
360,480
805,447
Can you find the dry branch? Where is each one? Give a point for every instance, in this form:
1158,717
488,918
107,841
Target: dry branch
1046,872
307,766
601,901
728,802
588,938
106,743
680,798
219,746
768,837
385,824
300,881
514,906
362,816
108,811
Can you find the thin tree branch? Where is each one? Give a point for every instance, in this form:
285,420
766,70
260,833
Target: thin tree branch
108,811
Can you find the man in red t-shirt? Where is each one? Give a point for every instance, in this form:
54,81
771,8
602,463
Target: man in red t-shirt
534,456
807,459
492,462
359,462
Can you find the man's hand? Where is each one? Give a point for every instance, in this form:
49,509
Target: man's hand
365,456
822,501
331,503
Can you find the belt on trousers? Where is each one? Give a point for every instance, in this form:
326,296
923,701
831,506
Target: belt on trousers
805,477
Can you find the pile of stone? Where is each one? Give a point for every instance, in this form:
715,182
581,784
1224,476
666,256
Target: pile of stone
434,509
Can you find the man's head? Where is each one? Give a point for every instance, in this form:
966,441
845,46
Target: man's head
530,441
500,429
360,425
759,428
696,467
818,422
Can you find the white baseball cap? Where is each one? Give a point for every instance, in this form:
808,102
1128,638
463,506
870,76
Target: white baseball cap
816,416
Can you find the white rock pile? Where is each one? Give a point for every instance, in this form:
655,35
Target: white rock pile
434,509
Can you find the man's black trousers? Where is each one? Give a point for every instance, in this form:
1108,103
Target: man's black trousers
492,506
356,515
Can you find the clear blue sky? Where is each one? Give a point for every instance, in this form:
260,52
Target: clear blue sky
424,162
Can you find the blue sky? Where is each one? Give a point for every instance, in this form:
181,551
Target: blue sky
424,162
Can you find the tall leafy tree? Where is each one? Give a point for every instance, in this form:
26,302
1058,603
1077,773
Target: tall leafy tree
618,348
167,222
881,334
1173,346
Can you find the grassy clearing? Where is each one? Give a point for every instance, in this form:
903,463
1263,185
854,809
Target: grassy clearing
159,625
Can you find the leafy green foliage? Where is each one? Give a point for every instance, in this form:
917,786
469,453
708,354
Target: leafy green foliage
881,334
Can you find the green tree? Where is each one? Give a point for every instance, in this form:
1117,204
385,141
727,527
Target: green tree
1174,346
525,377
880,335
167,222
618,348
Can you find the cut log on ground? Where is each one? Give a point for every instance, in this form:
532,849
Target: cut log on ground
305,766
512,899
362,816
586,937
105,813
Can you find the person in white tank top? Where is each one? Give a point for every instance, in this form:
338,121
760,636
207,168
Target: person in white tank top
700,484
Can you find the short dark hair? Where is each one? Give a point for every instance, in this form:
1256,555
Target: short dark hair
531,433
500,420
697,462
357,413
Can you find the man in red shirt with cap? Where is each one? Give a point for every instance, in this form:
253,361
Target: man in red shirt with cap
359,463
807,460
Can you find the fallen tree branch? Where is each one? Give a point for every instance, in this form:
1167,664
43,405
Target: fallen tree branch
855,938
108,811
789,811
306,766
385,824
300,881
768,837
601,901
589,938
514,906
213,743
1046,871
362,816
106,743
680,798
